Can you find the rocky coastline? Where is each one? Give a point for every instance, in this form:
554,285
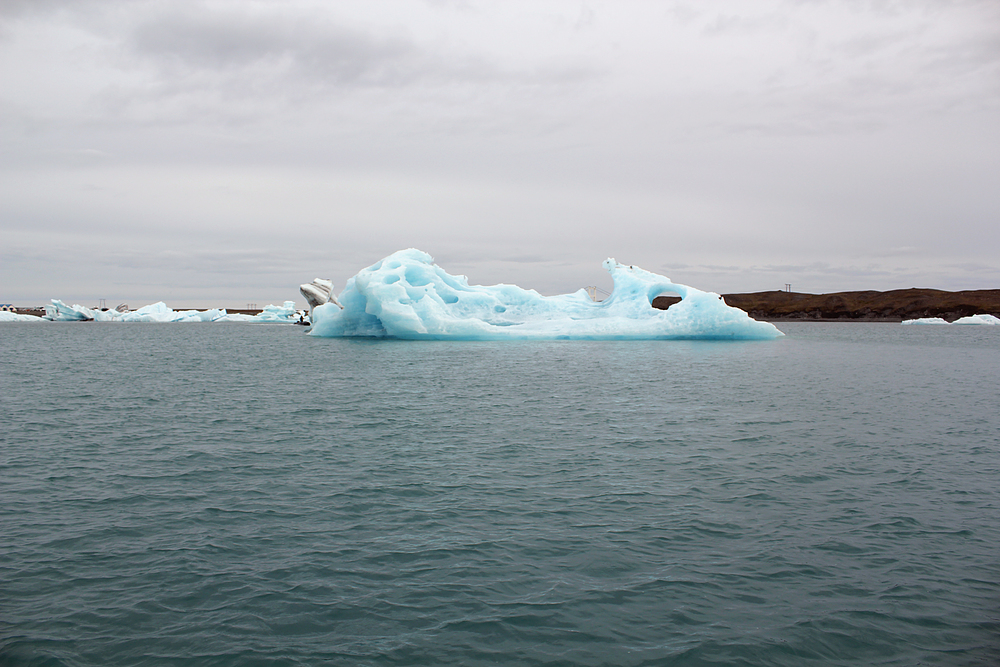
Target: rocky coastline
866,306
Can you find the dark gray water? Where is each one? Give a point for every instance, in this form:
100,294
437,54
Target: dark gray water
248,495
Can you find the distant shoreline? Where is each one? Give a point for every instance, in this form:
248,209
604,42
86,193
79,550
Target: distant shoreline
866,306
863,306
38,312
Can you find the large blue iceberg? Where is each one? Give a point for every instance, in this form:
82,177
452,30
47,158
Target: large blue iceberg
408,296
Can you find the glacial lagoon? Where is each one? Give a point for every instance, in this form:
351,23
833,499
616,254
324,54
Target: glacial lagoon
239,494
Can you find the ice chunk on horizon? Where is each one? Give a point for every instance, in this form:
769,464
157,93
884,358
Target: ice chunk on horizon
58,311
160,312
7,316
407,296
982,318
927,320
284,314
317,293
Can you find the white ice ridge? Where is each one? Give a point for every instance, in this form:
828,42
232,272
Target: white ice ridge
982,318
160,312
407,295
318,292
927,320
7,316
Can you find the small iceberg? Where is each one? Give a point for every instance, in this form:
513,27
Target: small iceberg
160,312
408,296
978,319
283,314
58,311
927,320
8,316
982,318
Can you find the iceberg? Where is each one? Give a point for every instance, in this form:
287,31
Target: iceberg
317,293
160,312
408,296
982,318
58,311
283,314
8,316
927,320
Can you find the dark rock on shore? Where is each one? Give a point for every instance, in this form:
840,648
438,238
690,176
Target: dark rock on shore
869,306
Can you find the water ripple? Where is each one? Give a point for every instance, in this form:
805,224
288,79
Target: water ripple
826,499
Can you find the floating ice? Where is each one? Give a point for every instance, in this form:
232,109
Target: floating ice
982,318
7,316
160,312
978,319
927,320
407,296
317,293
58,311
284,314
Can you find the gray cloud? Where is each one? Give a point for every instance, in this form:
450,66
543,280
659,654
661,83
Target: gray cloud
233,41
831,145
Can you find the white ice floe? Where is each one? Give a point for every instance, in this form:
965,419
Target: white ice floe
284,314
407,296
978,319
58,311
317,293
7,316
983,318
927,320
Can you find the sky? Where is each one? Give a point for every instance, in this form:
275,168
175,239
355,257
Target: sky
218,154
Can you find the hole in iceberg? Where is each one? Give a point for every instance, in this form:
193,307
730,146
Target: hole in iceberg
665,300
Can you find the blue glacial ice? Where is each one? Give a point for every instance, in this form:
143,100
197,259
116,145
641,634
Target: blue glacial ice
408,296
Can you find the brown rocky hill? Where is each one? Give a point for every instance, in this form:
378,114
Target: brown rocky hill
891,306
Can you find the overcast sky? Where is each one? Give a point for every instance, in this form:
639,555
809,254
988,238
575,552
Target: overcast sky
222,153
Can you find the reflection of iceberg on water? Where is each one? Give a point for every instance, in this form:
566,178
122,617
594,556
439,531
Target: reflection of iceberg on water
407,296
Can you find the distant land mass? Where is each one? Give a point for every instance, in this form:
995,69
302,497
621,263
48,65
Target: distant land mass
869,306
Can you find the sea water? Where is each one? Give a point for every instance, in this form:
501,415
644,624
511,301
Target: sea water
249,495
